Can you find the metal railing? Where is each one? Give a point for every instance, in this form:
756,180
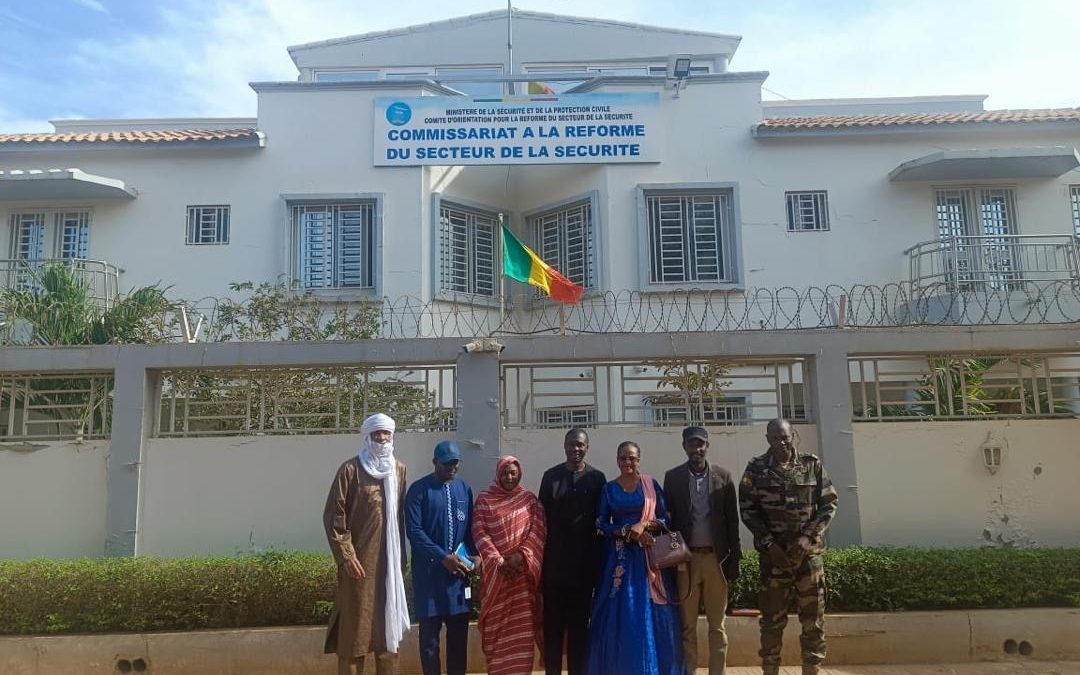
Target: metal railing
652,393
274,401
55,406
102,279
964,386
993,261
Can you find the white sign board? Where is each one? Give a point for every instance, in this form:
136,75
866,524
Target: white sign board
541,129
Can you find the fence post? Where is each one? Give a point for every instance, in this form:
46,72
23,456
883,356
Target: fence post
135,396
830,395
479,413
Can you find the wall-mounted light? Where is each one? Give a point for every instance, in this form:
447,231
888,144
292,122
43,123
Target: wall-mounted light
678,69
992,453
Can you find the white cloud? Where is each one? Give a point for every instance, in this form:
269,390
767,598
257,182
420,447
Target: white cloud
201,62
92,4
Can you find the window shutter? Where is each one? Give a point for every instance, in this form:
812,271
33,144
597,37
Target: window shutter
74,230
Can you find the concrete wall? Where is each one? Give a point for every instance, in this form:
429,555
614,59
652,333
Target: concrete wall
925,483
222,496
52,499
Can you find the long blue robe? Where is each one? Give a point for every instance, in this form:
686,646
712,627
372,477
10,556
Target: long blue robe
434,529
630,633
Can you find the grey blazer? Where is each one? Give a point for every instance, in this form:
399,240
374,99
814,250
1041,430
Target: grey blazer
723,509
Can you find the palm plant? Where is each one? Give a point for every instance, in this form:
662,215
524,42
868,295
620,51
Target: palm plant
57,308
53,305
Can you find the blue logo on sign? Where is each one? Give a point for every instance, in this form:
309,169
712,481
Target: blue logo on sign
398,113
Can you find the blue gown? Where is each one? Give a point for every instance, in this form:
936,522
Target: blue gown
629,633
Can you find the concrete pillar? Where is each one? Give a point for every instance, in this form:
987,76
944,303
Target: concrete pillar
135,397
829,387
479,415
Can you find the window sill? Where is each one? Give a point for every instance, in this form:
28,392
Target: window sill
344,294
456,298
723,287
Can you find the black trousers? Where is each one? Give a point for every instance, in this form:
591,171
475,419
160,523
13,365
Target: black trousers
566,611
457,646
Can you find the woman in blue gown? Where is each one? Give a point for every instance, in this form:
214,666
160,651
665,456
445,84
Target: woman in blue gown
634,629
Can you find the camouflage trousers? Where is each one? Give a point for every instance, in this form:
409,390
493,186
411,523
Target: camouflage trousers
807,583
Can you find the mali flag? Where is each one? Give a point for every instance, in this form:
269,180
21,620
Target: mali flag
521,264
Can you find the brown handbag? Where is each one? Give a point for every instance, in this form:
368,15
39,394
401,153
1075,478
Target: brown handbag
669,549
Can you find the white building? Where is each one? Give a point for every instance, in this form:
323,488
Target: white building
729,192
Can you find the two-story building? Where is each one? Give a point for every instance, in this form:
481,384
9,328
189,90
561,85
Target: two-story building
680,177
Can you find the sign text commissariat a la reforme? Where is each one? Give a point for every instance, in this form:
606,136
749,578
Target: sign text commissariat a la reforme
572,129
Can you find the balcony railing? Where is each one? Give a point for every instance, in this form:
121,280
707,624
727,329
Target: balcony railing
993,262
102,279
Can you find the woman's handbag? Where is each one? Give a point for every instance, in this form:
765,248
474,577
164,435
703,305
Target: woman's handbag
668,550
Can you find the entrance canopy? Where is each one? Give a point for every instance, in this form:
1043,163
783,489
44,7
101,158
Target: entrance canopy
57,184
1036,162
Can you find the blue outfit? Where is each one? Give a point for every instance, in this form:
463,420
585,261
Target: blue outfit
629,633
438,517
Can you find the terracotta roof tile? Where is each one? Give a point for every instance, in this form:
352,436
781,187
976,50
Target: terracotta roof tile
139,137
921,119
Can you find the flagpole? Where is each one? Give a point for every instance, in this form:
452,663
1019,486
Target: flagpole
502,281
509,46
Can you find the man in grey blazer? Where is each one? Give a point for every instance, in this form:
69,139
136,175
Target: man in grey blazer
704,507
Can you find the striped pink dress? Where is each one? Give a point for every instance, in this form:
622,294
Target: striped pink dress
510,609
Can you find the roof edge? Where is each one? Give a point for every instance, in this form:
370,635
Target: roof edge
381,85
796,102
498,14
653,80
766,131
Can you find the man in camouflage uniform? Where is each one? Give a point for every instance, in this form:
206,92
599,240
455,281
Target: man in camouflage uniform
787,501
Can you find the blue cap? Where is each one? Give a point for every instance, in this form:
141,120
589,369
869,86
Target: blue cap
446,452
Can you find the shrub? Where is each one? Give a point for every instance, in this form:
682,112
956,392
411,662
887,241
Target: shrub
273,589
866,579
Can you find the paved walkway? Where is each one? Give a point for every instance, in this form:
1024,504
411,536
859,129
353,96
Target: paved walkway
1002,668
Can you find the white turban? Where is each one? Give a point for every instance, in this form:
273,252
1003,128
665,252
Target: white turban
377,459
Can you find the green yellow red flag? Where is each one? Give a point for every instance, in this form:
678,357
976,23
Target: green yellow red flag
520,263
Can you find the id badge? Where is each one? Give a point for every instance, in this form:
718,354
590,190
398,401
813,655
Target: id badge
468,592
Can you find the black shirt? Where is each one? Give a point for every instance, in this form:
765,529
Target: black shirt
571,503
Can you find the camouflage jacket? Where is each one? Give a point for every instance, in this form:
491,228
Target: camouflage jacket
779,504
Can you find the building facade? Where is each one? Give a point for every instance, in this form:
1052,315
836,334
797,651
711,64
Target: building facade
732,194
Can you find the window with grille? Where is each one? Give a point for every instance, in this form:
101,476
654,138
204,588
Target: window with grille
466,250
807,211
974,225
564,240
726,411
69,238
689,237
207,225
558,418
336,244
1074,193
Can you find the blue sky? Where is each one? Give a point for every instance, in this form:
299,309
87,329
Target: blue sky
145,58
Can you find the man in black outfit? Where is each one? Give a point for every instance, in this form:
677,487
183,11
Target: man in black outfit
570,494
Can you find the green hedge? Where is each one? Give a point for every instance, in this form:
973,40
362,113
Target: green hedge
273,589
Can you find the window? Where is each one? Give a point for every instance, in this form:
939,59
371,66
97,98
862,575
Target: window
726,411
31,238
474,88
807,211
207,225
565,241
466,250
1075,194
346,75
690,236
974,228
336,244
561,418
